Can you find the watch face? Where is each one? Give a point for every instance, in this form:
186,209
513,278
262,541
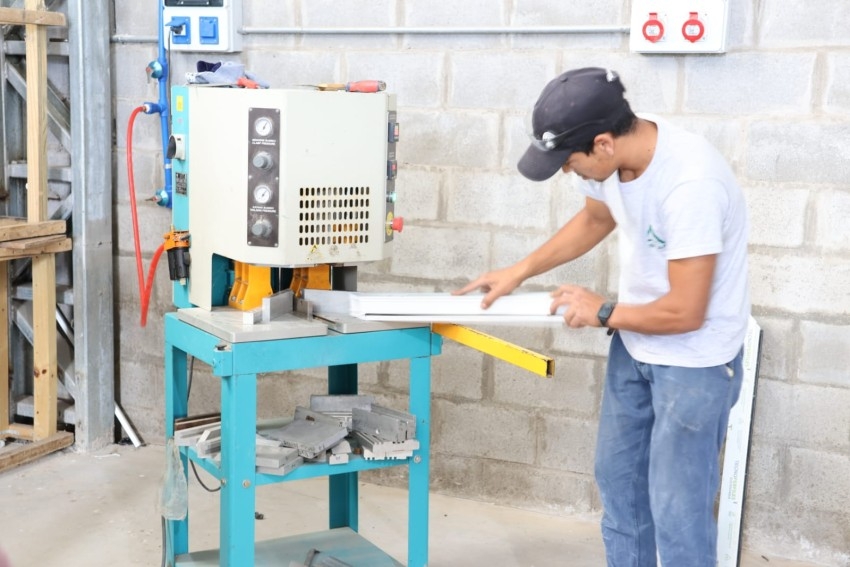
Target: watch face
605,312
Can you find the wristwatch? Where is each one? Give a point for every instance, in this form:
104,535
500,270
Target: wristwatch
605,311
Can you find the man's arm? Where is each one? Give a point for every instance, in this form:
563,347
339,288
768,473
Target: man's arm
681,310
584,231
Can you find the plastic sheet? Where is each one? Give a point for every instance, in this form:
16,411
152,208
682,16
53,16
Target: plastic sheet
174,491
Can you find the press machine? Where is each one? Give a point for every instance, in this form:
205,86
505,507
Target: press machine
279,177
268,182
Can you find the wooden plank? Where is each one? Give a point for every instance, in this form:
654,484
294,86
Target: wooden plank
19,431
19,454
35,243
17,16
52,248
36,117
4,346
13,228
182,423
45,412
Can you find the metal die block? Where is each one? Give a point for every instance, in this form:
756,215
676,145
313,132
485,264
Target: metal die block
263,441
284,470
377,449
385,423
209,443
303,413
275,457
338,459
309,437
189,437
340,404
340,407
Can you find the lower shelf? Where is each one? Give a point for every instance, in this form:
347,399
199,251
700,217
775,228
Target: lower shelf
305,471
343,543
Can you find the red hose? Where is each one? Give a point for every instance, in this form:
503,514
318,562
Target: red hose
144,289
146,293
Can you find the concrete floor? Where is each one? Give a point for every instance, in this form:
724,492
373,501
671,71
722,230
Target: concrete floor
93,510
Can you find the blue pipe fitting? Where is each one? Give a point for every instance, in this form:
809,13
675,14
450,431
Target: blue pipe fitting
163,197
155,70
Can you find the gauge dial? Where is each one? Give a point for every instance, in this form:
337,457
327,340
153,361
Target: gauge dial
263,126
262,194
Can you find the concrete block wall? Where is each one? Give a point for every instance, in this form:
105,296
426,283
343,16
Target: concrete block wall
777,105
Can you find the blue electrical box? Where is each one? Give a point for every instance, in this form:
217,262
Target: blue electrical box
203,25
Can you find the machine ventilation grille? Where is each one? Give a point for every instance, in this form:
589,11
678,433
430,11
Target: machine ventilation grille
333,215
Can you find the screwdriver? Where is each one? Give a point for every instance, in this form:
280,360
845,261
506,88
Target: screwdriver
370,86
365,86
247,83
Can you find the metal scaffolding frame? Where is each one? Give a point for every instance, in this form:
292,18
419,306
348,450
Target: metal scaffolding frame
80,122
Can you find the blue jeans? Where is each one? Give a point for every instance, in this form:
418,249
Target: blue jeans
660,433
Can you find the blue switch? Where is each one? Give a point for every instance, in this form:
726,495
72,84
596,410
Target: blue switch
208,30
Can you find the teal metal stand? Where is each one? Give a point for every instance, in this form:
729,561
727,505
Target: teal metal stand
342,488
237,365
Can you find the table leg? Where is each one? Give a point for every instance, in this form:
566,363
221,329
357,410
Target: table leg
342,488
420,406
176,405
238,469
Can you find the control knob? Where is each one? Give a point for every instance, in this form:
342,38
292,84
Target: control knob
262,160
261,228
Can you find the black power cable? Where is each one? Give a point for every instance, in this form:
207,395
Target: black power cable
188,392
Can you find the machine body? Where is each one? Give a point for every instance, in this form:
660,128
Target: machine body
281,177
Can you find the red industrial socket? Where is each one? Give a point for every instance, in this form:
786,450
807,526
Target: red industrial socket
653,28
693,29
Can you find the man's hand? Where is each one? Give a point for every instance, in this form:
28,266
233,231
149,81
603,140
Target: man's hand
581,306
496,284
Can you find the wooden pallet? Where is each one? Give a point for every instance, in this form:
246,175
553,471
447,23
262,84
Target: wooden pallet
38,238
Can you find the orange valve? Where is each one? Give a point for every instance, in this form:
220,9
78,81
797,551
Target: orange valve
177,249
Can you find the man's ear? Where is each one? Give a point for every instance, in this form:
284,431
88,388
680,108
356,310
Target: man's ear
605,143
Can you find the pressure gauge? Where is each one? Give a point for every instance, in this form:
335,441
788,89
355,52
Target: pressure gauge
263,126
262,194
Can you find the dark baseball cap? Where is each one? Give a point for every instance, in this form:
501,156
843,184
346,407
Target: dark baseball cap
572,110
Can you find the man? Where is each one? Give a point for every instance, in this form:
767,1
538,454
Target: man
674,365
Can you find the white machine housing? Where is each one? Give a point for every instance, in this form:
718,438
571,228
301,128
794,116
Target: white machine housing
283,177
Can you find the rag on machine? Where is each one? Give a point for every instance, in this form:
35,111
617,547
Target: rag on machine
227,73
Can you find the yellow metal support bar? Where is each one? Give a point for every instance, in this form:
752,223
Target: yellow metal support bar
516,355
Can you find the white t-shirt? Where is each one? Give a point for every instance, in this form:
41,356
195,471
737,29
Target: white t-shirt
687,203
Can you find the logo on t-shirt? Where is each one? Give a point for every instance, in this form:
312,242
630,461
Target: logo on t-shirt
653,240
